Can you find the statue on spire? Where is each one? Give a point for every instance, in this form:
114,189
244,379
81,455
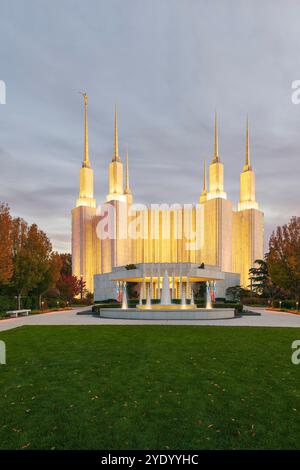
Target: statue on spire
85,97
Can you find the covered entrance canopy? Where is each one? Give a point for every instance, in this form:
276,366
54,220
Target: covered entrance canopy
150,275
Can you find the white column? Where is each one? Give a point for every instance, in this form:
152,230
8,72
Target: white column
180,287
173,286
148,298
192,298
187,287
144,284
124,296
141,294
151,287
183,294
158,284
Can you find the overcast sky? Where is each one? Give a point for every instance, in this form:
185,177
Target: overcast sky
168,64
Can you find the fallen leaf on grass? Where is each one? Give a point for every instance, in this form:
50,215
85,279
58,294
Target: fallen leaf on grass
26,445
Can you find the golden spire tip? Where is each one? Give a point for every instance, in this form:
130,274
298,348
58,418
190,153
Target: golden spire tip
248,164
216,142
86,162
116,157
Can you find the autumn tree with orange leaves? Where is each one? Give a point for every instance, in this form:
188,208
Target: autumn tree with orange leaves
31,256
29,267
284,257
6,244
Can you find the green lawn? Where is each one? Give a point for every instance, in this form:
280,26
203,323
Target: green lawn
143,387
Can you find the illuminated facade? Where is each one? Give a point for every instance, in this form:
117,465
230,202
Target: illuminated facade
209,232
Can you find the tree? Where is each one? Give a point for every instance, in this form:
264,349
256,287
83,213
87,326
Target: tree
6,244
50,277
66,259
31,253
199,289
82,285
69,286
236,292
132,290
284,257
261,282
27,264
19,231
259,276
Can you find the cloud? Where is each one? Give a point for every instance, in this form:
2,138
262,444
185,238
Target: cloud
168,66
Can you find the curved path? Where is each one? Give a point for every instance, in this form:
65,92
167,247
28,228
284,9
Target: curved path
70,317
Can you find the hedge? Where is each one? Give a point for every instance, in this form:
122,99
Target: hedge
7,303
254,301
289,304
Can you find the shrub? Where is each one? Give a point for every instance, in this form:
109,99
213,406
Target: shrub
238,306
289,304
254,300
129,267
7,303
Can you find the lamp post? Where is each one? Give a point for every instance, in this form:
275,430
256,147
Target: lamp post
43,305
297,306
280,302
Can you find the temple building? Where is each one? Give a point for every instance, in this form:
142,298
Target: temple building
122,241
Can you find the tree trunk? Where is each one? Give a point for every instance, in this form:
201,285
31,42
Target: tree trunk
19,301
40,301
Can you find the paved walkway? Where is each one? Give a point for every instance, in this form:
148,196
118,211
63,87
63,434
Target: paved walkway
70,317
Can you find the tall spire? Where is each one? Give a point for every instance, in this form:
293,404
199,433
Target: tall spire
204,176
116,157
247,180
116,179
86,178
86,162
216,171
216,146
127,188
247,164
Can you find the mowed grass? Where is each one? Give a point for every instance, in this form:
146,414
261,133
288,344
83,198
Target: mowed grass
149,387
